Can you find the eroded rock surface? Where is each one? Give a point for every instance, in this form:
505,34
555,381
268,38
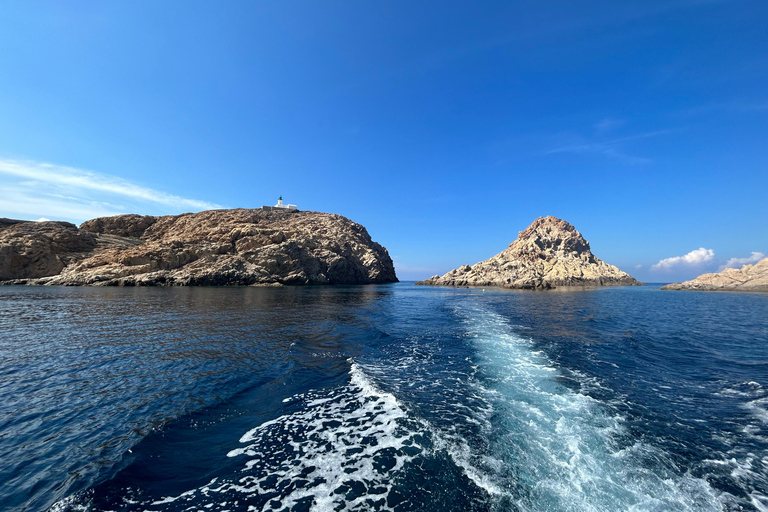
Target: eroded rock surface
216,247
40,249
550,253
749,278
130,225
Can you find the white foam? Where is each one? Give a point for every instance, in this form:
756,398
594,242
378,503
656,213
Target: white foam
349,438
473,466
759,409
542,446
563,450
78,502
759,501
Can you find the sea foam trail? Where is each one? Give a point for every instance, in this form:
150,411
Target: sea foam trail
563,450
342,450
340,453
746,466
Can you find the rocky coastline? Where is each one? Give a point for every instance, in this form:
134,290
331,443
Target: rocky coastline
550,253
209,248
749,278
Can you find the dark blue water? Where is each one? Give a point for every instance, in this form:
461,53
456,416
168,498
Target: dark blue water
391,397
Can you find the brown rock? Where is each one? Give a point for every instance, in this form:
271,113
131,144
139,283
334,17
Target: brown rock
4,222
226,247
749,278
39,249
548,254
130,225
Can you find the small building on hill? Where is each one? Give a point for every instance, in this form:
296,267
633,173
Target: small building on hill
280,206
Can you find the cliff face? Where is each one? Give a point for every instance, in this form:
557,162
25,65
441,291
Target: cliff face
548,254
217,247
749,278
39,249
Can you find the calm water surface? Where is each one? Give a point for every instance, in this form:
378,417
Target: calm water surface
390,397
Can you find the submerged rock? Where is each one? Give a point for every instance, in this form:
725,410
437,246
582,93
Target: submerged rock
550,253
216,247
749,278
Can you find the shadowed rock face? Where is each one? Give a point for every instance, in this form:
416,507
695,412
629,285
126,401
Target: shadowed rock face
548,254
749,278
40,249
217,247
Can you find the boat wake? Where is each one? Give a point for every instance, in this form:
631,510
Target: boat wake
477,419
343,449
559,449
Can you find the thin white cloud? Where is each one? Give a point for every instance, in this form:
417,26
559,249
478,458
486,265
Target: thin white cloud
610,148
33,190
693,258
81,179
740,262
23,203
740,107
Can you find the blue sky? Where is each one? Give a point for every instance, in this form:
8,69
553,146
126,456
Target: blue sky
443,127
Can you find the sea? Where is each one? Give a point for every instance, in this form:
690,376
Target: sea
393,397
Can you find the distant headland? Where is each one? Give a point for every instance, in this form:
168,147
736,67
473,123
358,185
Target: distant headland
548,254
749,278
275,246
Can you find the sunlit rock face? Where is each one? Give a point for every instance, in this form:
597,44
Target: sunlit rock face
749,278
216,247
548,254
40,249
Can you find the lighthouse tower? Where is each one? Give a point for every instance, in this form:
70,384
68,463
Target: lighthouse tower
282,206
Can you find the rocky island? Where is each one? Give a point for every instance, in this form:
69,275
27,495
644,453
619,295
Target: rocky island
749,278
215,247
550,253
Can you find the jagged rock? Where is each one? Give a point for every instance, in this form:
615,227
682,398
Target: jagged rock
548,254
4,222
130,225
39,249
225,247
749,278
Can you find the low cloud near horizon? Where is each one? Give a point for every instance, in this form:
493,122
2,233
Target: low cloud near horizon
740,262
42,190
693,258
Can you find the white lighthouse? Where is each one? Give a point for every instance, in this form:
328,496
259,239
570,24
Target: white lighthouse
280,207
284,206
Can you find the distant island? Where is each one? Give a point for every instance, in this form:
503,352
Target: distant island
267,246
749,278
548,254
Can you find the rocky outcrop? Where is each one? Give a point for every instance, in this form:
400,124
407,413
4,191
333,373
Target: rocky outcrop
550,253
216,247
130,225
40,249
749,278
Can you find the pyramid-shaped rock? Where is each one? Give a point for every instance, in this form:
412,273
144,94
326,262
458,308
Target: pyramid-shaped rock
548,254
